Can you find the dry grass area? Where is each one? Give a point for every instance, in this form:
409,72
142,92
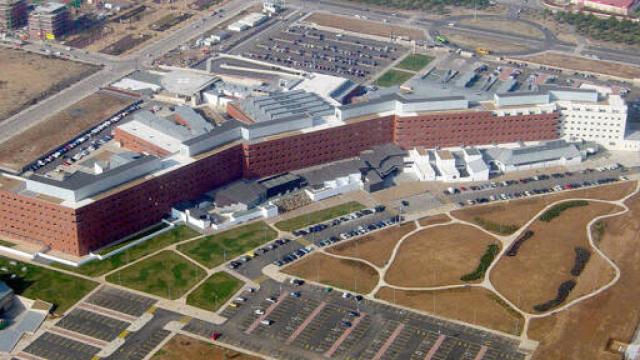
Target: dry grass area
545,260
376,247
184,347
472,305
344,274
562,31
518,212
504,25
438,256
433,220
469,41
356,25
26,78
583,331
583,64
28,146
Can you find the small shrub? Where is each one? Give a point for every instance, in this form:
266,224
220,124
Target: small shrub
563,292
496,228
558,209
582,258
513,250
485,262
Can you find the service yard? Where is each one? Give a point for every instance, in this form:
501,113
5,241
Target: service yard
342,273
546,259
584,330
438,256
361,26
472,305
376,247
40,76
578,63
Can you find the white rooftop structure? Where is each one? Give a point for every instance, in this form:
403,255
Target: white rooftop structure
186,83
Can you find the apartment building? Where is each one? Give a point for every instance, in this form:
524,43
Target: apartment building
49,21
13,14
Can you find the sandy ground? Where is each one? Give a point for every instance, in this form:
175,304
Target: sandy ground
344,274
364,26
518,212
375,248
468,41
472,305
545,260
183,347
26,78
438,256
432,220
27,146
504,25
584,64
583,331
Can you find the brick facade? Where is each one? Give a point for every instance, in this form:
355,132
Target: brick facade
136,144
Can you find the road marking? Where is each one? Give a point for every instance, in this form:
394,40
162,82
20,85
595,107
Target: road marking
306,322
435,347
389,341
344,336
266,313
107,312
78,337
483,350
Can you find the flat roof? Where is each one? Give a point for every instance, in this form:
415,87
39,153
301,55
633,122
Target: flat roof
185,83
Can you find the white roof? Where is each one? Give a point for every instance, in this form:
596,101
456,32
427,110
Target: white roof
151,135
323,85
135,85
185,83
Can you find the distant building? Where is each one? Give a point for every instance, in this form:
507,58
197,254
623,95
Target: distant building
550,153
619,7
272,6
48,21
13,14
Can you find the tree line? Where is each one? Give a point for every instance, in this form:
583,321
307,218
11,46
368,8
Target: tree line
609,29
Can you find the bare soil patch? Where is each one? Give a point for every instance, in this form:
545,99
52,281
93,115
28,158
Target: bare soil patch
583,64
28,146
434,220
184,347
507,26
356,25
375,248
469,41
583,331
545,260
472,305
438,256
344,274
26,78
518,212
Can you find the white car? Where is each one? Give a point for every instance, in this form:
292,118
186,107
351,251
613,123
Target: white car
259,312
266,322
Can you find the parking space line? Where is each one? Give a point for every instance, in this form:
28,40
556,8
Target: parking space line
344,336
480,355
389,341
107,312
78,337
266,313
435,347
306,322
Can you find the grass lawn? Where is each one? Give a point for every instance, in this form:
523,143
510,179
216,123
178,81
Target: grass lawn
165,274
210,251
301,221
97,268
414,62
6,243
214,292
393,77
35,282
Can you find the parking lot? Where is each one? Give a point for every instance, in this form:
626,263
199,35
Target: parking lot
323,324
253,268
121,301
55,347
92,324
306,48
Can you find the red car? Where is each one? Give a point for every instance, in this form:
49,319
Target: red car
215,336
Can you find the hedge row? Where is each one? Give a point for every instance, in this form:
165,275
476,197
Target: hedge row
513,250
485,262
558,209
563,292
496,228
582,258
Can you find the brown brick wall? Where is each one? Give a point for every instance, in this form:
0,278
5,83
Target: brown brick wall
136,144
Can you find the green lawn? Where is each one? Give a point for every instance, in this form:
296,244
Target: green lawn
393,77
214,292
97,267
414,62
210,251
35,282
165,274
301,221
6,243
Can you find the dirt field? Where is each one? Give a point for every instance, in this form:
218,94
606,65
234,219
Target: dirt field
438,256
518,212
364,26
504,25
375,248
39,77
27,146
468,41
583,331
584,64
433,220
545,260
562,31
344,274
472,305
184,347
